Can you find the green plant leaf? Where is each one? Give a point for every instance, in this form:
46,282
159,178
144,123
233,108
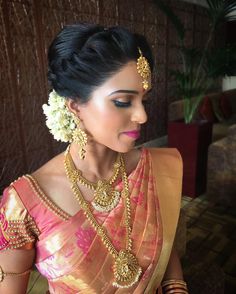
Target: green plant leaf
178,25
220,11
201,67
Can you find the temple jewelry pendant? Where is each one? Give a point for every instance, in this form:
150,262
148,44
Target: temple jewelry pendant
105,198
126,270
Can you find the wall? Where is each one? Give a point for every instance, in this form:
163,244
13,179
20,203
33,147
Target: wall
28,26
229,83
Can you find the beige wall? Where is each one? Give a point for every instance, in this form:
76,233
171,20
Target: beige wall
229,83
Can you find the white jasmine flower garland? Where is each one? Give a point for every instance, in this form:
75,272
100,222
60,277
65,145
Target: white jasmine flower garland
59,120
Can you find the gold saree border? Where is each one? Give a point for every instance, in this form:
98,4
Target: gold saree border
167,168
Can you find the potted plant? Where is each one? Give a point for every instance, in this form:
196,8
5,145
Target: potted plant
200,68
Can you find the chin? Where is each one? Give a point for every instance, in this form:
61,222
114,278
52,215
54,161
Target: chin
126,148
122,147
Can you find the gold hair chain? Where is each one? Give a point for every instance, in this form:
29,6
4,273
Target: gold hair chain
126,268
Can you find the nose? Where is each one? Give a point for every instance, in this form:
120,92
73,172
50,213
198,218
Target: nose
139,114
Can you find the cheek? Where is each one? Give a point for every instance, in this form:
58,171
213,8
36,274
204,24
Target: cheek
107,117
112,121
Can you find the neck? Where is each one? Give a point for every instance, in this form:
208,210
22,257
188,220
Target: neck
98,162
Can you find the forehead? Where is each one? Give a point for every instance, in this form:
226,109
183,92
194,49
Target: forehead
127,78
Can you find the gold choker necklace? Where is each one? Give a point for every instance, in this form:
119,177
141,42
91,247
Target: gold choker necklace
126,268
106,197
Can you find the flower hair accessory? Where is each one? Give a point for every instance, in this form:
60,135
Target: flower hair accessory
60,120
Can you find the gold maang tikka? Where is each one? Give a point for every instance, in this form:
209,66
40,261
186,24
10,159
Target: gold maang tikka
79,137
143,69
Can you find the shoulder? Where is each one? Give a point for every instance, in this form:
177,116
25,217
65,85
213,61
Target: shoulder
50,173
23,189
13,190
11,197
166,161
14,201
165,153
53,166
23,184
18,195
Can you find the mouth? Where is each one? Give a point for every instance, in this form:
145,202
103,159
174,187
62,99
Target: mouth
132,134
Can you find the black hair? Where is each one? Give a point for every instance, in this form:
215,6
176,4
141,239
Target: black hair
83,56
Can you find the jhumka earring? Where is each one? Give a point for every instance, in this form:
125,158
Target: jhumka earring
143,69
80,138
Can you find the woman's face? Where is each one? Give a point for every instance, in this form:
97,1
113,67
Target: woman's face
115,112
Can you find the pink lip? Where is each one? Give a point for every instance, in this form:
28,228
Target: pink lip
133,134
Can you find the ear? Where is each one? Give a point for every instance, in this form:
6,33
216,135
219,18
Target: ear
73,106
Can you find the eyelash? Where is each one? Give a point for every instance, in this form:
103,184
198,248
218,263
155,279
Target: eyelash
127,104
121,104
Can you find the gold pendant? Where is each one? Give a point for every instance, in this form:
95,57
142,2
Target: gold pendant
126,270
106,198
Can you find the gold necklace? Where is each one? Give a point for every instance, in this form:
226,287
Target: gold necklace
106,197
126,268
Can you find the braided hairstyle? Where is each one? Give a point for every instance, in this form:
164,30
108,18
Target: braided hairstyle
83,56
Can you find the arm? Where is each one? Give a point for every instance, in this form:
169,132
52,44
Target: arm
174,269
17,230
173,281
16,261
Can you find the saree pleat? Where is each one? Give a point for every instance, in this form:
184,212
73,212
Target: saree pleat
71,255
149,251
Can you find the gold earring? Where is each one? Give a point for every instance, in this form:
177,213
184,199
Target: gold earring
80,138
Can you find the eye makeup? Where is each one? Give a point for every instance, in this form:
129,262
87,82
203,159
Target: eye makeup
128,99
121,104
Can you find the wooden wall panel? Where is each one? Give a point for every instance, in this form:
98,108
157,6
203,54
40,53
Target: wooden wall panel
28,26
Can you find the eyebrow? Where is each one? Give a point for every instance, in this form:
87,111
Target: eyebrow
124,91
127,91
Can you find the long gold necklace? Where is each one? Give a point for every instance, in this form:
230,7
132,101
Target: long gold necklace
126,268
106,197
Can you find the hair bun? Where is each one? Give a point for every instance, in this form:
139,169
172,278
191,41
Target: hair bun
83,56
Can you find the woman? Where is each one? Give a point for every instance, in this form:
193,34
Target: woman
101,217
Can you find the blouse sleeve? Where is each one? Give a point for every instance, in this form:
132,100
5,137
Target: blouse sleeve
17,228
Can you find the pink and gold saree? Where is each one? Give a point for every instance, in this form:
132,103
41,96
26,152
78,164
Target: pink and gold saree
70,254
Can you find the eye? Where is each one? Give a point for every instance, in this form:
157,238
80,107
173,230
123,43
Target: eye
121,104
